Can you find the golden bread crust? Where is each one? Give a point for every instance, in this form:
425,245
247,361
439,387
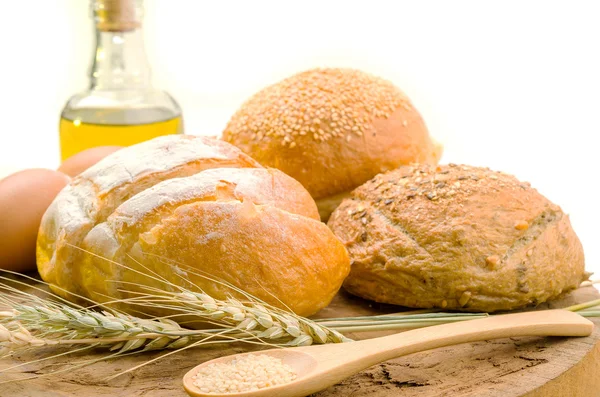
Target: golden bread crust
94,194
332,129
180,206
257,229
456,237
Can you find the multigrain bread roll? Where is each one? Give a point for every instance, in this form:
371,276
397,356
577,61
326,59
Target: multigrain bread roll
167,207
456,237
257,229
95,193
332,130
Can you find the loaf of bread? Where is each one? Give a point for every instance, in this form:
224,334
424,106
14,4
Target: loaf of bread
456,237
95,193
332,130
180,206
257,229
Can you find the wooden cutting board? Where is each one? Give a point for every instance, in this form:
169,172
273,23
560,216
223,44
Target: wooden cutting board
516,367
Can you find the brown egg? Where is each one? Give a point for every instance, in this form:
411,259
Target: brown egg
24,197
81,161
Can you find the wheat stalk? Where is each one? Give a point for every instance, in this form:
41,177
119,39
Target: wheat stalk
50,324
32,322
42,322
250,318
37,322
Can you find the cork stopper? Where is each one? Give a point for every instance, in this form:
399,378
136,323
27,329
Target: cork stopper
117,15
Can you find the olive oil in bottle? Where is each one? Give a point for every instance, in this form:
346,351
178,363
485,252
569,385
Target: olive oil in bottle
120,107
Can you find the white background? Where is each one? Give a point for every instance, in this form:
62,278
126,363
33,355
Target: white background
513,85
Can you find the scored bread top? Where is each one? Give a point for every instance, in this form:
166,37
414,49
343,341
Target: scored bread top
159,155
132,170
256,228
424,191
262,186
456,237
94,194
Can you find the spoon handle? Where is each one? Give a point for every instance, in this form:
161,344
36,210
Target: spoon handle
363,354
539,323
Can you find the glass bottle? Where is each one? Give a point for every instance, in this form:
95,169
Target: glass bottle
120,107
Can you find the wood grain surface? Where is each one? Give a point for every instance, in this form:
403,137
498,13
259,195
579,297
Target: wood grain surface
515,367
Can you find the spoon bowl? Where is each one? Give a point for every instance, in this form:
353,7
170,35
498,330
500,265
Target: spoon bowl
320,366
302,363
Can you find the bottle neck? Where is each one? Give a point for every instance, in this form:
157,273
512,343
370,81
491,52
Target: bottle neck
120,61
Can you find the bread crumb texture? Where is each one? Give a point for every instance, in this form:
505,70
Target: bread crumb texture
456,237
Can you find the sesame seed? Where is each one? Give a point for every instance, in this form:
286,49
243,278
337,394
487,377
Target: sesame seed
492,261
333,100
464,298
249,372
522,225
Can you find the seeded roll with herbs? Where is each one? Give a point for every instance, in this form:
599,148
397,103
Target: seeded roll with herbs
332,130
456,237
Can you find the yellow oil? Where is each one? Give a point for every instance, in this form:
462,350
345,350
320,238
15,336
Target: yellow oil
84,129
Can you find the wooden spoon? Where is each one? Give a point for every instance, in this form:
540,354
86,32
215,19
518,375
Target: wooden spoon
320,366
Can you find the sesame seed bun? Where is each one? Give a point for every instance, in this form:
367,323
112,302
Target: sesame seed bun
332,130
